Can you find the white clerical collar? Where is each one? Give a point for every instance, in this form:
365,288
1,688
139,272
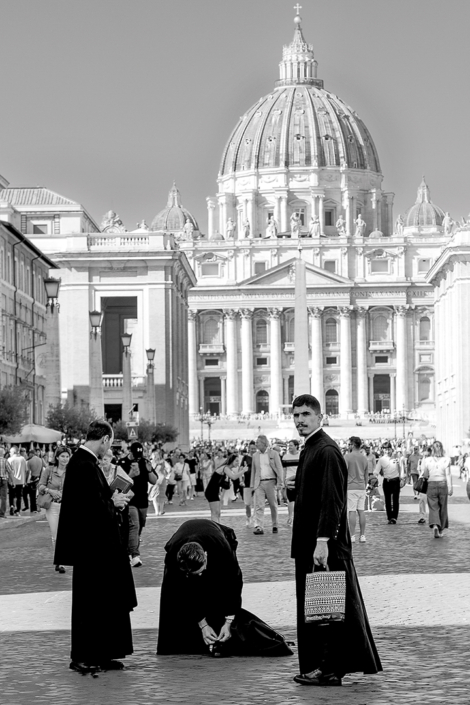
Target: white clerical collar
313,433
90,451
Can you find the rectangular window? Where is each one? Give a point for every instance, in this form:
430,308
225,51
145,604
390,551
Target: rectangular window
381,359
379,266
211,362
260,267
424,266
261,361
329,216
40,229
331,360
210,270
330,265
425,357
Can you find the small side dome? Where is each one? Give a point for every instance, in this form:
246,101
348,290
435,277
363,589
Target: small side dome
424,214
174,217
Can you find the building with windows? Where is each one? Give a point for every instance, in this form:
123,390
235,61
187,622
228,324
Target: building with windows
301,167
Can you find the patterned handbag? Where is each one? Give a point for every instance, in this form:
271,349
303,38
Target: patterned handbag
325,597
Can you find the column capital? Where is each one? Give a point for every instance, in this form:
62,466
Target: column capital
274,312
361,311
231,313
192,314
345,311
401,310
315,311
246,313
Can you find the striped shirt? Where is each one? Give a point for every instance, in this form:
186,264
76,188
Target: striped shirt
6,473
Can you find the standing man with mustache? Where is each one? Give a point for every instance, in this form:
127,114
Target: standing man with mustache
321,541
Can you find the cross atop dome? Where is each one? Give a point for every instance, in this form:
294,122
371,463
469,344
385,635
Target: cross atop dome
174,198
298,65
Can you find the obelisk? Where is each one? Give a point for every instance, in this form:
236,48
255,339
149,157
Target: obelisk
301,372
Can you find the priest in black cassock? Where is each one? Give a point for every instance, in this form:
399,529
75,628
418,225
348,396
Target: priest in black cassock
321,540
88,538
201,597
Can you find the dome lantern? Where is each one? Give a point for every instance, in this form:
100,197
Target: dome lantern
424,213
298,65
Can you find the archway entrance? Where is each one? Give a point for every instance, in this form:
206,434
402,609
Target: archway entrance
331,402
381,393
262,401
212,395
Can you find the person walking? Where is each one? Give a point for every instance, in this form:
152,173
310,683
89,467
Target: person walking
6,480
290,462
358,477
221,476
248,492
388,467
35,467
20,471
436,468
88,538
266,479
321,541
51,483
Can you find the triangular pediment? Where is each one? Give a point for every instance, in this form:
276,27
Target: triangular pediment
284,275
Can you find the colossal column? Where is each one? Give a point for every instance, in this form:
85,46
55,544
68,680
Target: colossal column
192,363
275,397
317,354
247,360
345,397
210,218
362,396
401,379
232,365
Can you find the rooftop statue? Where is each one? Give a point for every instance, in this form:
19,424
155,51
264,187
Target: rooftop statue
112,223
447,224
230,229
360,226
314,227
295,223
271,230
188,230
142,225
341,226
246,228
399,225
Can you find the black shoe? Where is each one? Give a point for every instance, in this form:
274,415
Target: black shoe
318,678
393,521
421,521
275,530
112,666
83,668
258,531
60,568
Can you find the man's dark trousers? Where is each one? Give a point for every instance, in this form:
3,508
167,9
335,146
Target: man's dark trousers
391,490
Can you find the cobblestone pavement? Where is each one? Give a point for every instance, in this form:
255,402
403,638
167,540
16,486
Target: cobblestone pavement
422,664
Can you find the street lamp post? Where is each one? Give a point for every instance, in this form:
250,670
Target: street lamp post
152,415
127,405
96,399
52,362
201,419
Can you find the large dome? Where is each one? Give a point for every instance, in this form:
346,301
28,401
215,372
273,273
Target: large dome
174,216
299,124
424,213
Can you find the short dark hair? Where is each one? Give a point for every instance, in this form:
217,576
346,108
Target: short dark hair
356,441
98,430
191,557
295,442
307,400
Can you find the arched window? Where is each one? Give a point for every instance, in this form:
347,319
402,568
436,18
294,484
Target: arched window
262,401
331,331
211,331
261,332
380,327
331,402
424,388
424,328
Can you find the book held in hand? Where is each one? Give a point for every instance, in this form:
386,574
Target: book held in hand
122,482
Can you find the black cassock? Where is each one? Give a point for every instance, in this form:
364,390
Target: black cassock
321,511
214,595
88,538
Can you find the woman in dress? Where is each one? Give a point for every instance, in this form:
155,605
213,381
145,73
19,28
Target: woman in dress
437,469
51,482
207,468
182,477
158,491
223,473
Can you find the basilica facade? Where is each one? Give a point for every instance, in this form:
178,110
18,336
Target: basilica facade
301,168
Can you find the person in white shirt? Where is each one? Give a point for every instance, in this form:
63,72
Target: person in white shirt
437,469
389,467
266,479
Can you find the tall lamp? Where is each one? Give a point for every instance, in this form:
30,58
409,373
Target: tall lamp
52,292
127,405
152,412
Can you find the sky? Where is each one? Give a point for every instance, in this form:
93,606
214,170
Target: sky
107,101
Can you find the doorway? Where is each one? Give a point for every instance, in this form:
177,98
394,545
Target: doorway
262,402
381,393
331,402
212,396
119,312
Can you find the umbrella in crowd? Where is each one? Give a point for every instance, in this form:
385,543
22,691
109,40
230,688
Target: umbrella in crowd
33,433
